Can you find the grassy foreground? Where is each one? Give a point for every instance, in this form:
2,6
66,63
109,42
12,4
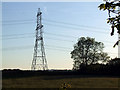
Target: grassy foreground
56,81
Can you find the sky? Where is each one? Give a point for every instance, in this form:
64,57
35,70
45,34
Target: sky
64,23
51,0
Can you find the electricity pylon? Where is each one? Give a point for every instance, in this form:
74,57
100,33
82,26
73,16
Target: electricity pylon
39,59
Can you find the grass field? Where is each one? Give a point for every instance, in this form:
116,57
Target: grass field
56,82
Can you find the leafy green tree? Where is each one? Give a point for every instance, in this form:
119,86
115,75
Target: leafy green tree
88,51
113,8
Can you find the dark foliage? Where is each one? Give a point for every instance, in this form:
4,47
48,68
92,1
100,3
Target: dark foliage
112,6
88,51
112,69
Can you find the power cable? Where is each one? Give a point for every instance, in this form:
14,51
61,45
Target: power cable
60,22
6,37
85,26
50,46
74,28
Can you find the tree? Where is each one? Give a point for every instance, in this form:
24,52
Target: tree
114,15
114,66
114,62
88,51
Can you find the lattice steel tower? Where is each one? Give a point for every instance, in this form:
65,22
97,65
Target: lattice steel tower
39,59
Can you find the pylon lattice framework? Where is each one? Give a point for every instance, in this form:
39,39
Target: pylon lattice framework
39,58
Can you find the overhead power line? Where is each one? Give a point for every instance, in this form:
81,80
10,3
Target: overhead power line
52,47
22,34
31,35
71,28
62,26
78,25
32,22
17,37
9,21
61,35
58,39
56,49
76,28
61,47
53,21
30,46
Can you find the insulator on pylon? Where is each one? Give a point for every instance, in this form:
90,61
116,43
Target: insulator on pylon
37,28
41,26
39,13
41,38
